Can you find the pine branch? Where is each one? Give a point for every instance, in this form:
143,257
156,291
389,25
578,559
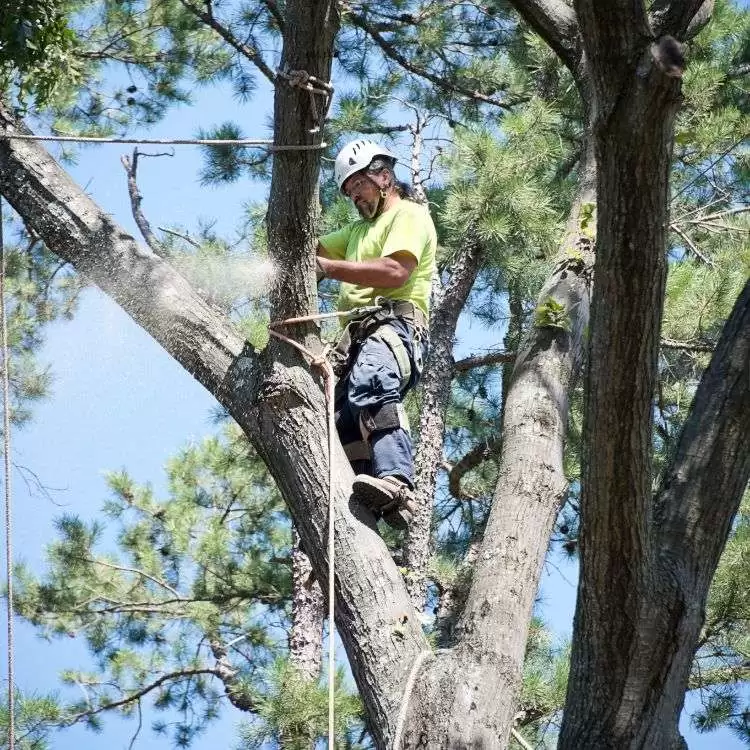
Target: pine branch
480,360
477,455
137,571
391,52
720,675
182,236
168,677
249,53
698,254
382,129
688,346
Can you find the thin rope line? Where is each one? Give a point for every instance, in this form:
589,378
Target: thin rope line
331,559
266,144
411,681
323,316
8,514
415,667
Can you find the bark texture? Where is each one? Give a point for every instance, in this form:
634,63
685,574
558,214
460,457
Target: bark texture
308,612
640,595
435,391
468,694
646,565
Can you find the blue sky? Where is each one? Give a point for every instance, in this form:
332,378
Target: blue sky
119,401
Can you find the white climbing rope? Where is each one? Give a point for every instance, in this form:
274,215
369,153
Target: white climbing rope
8,505
422,656
329,382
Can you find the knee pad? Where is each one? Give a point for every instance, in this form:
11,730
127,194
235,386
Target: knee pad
385,417
358,450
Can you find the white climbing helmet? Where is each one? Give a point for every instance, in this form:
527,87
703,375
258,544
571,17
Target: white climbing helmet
357,155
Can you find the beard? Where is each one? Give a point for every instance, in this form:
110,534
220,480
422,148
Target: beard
366,208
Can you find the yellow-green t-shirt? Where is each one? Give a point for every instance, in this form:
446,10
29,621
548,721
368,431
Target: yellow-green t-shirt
408,227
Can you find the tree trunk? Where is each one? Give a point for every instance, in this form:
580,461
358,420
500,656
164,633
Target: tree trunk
435,391
272,395
467,696
635,628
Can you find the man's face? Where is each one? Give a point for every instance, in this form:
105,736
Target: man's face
364,193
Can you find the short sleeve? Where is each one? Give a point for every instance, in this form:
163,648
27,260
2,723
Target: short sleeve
408,233
335,243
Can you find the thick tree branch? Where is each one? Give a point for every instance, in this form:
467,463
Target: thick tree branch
681,19
556,23
137,695
477,455
479,678
145,286
482,360
703,487
435,390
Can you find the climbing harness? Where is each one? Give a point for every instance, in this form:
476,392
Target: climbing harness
301,79
328,378
8,506
373,322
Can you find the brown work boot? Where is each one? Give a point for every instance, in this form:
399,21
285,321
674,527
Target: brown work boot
388,497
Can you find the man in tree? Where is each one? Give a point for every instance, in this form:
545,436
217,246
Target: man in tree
387,259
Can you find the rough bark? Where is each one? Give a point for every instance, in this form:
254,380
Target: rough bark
308,612
631,653
629,661
435,390
272,395
467,695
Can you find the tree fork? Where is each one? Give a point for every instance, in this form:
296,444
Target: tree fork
467,696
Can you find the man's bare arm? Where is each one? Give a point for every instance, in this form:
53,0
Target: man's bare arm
390,272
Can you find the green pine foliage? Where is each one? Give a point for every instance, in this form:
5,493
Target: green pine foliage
152,586
39,289
294,711
36,45
160,588
722,665
35,717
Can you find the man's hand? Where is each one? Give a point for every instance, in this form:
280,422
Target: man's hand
390,272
